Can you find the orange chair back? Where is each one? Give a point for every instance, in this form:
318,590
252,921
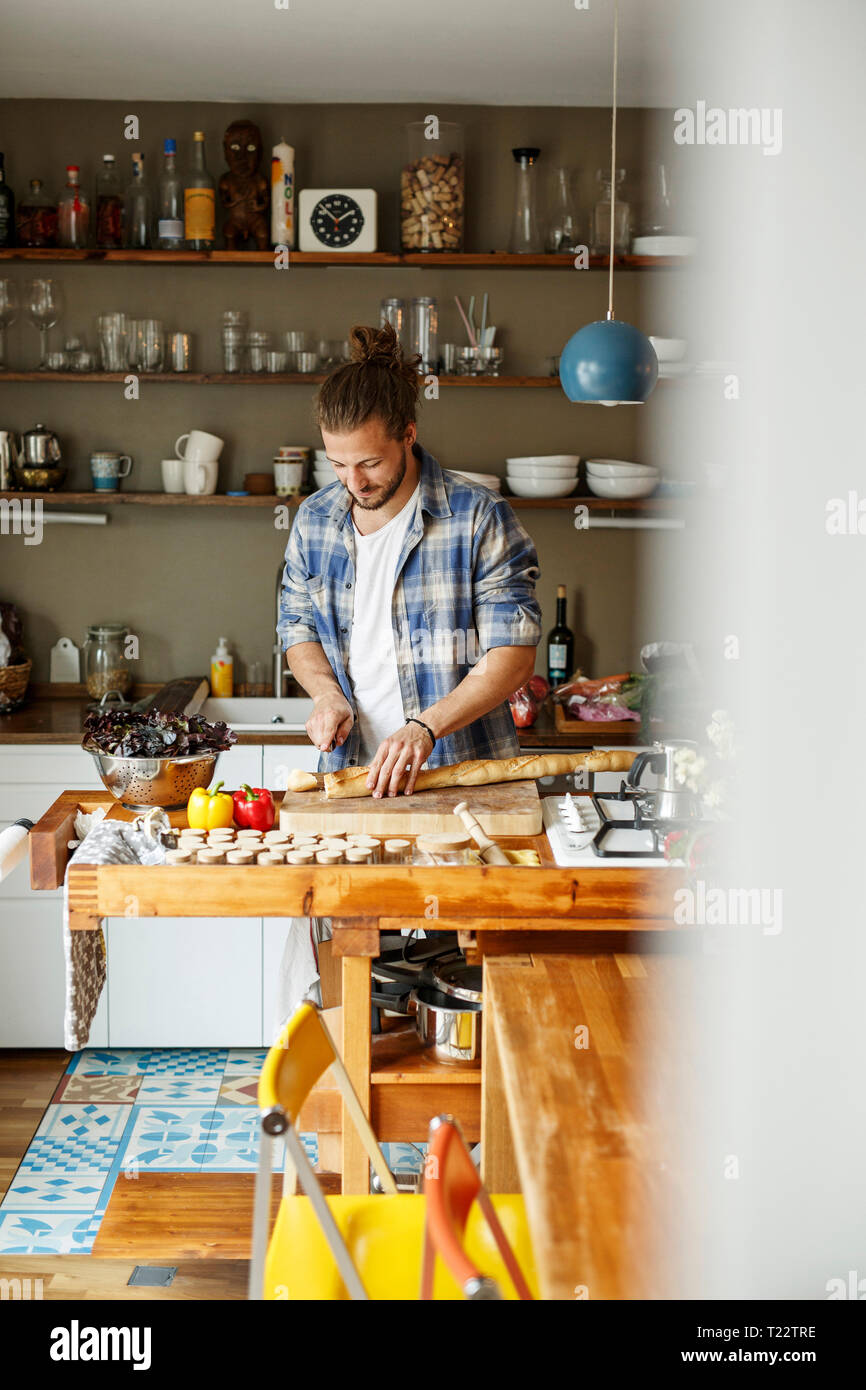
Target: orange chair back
451,1185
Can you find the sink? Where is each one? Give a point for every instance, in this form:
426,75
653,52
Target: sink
260,715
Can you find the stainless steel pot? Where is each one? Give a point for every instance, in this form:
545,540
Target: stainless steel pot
450,1027
669,801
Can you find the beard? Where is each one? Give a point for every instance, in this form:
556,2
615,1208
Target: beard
378,498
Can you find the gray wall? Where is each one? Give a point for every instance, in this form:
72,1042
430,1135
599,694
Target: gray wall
182,577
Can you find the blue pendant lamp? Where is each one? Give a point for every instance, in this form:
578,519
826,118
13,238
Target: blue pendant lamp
609,362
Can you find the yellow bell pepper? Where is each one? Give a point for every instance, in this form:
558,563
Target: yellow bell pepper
209,810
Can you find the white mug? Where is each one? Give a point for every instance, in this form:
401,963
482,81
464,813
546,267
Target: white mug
172,475
200,445
200,477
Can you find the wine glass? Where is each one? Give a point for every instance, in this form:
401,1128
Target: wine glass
8,314
44,306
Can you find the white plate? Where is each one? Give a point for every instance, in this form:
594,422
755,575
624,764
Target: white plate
622,489
664,246
544,461
542,487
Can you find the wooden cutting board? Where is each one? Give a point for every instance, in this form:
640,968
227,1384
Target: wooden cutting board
505,808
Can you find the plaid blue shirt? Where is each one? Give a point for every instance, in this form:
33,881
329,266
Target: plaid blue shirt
465,582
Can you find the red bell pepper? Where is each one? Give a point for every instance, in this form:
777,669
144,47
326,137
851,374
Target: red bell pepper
254,808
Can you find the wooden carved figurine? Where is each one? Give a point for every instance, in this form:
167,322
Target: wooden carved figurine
244,192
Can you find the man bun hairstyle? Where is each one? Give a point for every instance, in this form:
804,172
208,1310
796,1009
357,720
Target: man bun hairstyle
378,381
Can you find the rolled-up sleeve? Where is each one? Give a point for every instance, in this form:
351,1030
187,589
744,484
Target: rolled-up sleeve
507,613
297,617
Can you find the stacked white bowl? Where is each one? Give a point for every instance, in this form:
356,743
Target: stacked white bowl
542,475
323,471
619,480
491,480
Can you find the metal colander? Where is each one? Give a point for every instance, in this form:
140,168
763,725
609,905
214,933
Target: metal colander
138,783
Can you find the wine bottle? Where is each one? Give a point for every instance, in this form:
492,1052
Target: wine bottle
170,228
73,212
7,208
136,213
560,644
199,201
109,206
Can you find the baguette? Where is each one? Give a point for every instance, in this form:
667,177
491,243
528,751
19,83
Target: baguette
352,781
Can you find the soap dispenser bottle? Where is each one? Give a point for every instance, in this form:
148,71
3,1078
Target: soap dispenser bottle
222,671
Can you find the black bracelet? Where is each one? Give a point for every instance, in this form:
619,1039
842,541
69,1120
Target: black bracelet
428,731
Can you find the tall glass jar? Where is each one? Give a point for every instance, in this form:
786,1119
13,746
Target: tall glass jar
432,187
424,332
105,662
601,218
525,236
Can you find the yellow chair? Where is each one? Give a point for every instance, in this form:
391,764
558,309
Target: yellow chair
359,1247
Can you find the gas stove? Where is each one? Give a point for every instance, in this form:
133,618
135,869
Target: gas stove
616,826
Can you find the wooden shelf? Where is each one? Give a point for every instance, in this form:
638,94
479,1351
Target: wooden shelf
645,506
250,379
440,260
399,1059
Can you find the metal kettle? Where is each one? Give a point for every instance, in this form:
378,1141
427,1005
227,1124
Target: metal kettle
40,448
669,801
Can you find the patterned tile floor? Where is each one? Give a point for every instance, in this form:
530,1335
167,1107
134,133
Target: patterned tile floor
175,1110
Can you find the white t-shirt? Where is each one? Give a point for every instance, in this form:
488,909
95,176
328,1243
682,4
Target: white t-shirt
372,667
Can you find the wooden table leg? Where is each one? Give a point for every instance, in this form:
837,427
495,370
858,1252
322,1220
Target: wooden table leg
356,1052
498,1162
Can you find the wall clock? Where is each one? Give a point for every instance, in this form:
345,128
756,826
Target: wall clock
337,219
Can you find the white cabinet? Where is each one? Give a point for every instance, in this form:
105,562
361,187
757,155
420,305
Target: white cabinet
280,758
185,982
32,968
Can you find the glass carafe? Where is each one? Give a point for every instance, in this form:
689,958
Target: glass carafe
525,236
601,218
562,233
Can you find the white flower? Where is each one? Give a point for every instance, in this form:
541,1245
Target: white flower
720,732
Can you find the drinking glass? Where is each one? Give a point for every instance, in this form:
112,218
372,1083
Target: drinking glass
112,332
296,341
44,305
8,314
150,345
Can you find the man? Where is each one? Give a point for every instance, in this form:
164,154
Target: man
408,607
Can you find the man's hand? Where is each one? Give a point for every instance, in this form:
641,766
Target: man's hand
331,721
409,748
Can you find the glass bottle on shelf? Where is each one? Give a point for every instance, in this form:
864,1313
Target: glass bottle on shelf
37,217
136,210
601,218
7,208
170,226
199,200
562,233
658,217
73,212
109,206
525,236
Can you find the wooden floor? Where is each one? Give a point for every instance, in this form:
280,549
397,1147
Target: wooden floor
175,1219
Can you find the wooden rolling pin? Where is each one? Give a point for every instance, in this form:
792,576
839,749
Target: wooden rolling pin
490,851
351,781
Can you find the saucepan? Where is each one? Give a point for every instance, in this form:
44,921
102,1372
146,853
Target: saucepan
446,993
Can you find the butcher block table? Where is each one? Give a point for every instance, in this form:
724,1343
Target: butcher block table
492,910
585,1073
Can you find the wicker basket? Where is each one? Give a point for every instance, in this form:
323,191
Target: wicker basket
13,684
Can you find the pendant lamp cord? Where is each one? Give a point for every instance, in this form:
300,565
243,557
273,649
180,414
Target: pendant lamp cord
613,159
